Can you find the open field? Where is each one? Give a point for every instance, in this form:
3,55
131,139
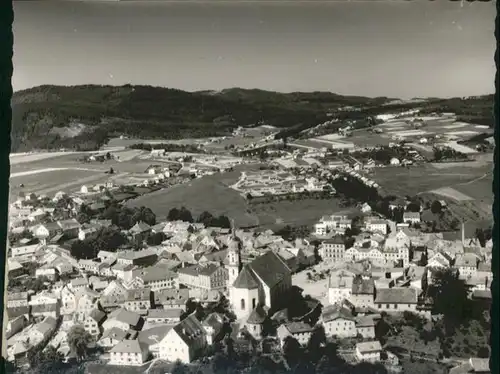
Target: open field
22,158
48,183
452,194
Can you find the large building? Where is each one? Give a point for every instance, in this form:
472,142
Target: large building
265,281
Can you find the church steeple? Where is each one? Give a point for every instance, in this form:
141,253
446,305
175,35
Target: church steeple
234,256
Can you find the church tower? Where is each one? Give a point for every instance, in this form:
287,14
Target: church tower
234,257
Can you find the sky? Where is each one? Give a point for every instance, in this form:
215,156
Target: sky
368,48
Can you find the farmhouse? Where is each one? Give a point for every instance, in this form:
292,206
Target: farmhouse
369,351
411,217
299,330
396,299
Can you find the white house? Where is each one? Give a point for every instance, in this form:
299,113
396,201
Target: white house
395,161
337,322
185,342
128,353
411,217
368,351
299,330
396,299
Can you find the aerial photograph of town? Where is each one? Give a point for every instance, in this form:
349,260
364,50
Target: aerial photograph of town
218,188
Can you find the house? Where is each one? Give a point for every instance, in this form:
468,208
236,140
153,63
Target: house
467,264
163,316
207,276
394,161
43,330
265,281
213,325
87,229
24,251
365,326
184,342
111,337
122,319
440,260
46,271
369,351
332,250
45,304
69,228
140,231
128,353
171,298
153,169
411,217
337,321
17,299
78,283
152,337
93,322
15,325
474,365
362,293
340,287
156,277
138,300
14,268
86,301
377,225
299,330
397,299
144,258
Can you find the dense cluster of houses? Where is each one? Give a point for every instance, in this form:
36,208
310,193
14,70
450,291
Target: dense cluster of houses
134,303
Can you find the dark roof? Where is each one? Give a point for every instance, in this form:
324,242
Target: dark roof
171,296
257,316
214,320
42,308
396,295
189,329
363,286
333,312
270,268
137,294
196,270
17,311
335,240
97,315
246,279
69,224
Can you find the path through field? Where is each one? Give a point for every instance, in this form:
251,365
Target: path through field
32,172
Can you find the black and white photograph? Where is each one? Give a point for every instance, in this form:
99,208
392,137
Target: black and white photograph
226,187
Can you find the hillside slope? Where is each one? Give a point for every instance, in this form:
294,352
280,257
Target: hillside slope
84,117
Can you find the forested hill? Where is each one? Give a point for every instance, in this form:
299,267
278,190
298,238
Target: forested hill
84,117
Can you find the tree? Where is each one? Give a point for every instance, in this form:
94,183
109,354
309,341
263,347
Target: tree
206,218
179,368
436,207
82,218
450,297
291,349
156,238
173,214
483,352
185,215
79,340
108,156
111,171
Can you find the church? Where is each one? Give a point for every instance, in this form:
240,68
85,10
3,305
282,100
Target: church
265,282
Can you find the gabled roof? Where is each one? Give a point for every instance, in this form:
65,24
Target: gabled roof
363,286
123,315
140,227
129,346
214,320
368,347
189,329
396,295
114,333
154,335
97,315
270,268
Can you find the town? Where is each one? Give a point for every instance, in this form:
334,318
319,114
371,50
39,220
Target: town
393,279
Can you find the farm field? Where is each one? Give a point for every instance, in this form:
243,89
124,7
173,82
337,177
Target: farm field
424,178
49,183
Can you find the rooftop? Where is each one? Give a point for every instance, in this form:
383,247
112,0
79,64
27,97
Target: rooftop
368,347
